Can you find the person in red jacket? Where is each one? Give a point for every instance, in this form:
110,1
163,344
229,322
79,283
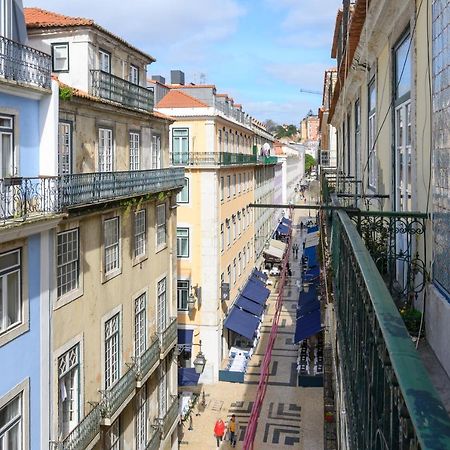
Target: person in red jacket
219,431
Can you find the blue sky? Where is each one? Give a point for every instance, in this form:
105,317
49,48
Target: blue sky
261,52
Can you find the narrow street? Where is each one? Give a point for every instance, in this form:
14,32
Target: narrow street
291,416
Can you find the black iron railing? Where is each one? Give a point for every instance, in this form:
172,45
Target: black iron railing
89,188
219,159
24,64
110,87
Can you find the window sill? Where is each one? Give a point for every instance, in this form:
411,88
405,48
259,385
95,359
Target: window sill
161,247
13,333
111,275
68,298
139,260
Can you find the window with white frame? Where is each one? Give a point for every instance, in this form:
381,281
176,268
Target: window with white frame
239,183
234,271
234,228
220,140
161,306
12,424
135,151
113,436
133,75
140,327
183,195
141,418
234,185
140,233
239,222
7,160
161,225
222,188
112,350
105,150
229,274
240,264
244,253
64,148
112,245
60,57
104,61
357,140
67,261
227,221
162,391
68,390
180,145
183,242
182,295
222,238
372,157
228,186
156,151
10,295
244,187
226,141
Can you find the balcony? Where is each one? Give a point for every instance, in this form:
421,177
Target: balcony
116,398
24,65
24,199
169,419
110,87
154,441
85,433
212,159
146,362
387,391
88,188
168,337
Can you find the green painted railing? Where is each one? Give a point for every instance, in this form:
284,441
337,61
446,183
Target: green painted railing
212,159
154,441
170,418
147,360
390,400
168,337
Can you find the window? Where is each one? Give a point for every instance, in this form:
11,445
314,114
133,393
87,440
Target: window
229,274
105,150
234,185
141,418
140,233
180,145
221,188
226,141
161,306
244,187
105,61
183,242
234,228
133,76
239,222
64,148
234,271
112,245
162,391
68,390
60,57
244,253
240,264
160,225
183,195
227,221
182,295
156,151
239,183
357,141
113,436
140,325
112,349
67,261
220,141
371,135
222,238
10,295
11,425
7,160
134,151
228,186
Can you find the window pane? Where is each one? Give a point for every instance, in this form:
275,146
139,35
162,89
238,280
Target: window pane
9,260
403,68
13,298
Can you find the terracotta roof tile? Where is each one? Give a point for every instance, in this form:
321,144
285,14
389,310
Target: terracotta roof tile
40,18
178,99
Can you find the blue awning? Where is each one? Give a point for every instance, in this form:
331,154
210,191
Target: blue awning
282,228
185,338
187,376
307,326
307,308
256,292
286,221
242,323
311,254
260,274
309,296
249,306
313,229
311,274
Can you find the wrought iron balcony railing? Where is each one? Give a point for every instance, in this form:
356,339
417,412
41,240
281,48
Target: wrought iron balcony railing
168,337
110,87
170,418
147,360
25,198
24,64
212,159
84,433
154,441
389,399
115,397
88,188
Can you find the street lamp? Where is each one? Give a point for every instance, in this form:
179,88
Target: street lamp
200,360
193,297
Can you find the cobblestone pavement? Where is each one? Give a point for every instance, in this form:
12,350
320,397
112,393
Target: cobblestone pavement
291,417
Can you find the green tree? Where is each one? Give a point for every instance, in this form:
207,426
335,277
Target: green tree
310,162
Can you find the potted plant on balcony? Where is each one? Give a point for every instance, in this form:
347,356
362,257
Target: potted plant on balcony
329,417
412,318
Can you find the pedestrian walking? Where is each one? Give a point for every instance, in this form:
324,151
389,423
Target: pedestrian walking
219,431
293,250
233,428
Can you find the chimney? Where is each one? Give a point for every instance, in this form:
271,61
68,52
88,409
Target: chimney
177,77
159,78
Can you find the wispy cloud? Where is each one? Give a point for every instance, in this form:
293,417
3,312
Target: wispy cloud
306,75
